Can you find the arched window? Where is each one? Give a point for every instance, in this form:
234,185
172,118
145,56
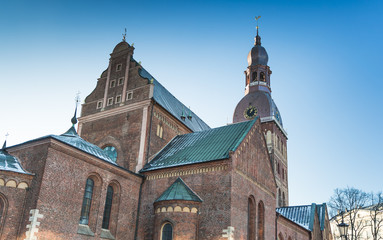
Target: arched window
262,76
283,199
251,218
280,236
268,137
167,232
87,201
112,152
3,211
108,208
160,130
254,77
279,198
261,221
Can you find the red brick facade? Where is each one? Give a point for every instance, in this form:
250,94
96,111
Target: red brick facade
238,193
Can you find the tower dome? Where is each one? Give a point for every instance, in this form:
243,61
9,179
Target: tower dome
258,54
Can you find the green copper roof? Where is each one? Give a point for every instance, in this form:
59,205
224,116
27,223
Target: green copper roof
9,162
304,215
179,191
198,147
71,138
164,98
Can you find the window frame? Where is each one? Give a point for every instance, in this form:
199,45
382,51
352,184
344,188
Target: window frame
110,101
118,99
129,93
108,208
162,231
87,202
112,83
120,81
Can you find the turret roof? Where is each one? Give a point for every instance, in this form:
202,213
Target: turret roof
179,191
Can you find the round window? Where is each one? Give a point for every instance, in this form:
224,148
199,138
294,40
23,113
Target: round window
112,152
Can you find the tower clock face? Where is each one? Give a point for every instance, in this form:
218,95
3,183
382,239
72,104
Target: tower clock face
250,112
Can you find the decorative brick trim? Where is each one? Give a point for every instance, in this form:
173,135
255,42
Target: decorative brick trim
168,209
186,172
34,224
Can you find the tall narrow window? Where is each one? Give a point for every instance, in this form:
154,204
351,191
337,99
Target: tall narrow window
251,219
279,198
167,232
261,221
108,208
254,77
87,201
262,76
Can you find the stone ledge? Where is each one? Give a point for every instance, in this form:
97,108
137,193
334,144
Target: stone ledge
105,233
84,230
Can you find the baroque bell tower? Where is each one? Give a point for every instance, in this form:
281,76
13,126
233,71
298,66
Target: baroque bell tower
258,102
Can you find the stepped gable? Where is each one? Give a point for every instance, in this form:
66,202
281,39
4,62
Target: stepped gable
199,147
175,107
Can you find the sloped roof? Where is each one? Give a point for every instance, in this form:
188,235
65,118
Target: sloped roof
179,191
71,138
10,163
198,147
166,100
304,215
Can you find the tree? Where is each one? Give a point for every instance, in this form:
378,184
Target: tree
376,215
349,201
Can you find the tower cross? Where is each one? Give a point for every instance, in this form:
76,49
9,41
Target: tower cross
124,36
256,19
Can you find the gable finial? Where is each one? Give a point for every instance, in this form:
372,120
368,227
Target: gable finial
77,100
189,115
182,114
124,36
256,19
257,38
5,141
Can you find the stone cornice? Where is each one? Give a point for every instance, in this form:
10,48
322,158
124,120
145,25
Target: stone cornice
114,111
272,118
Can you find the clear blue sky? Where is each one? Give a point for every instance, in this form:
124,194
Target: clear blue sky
326,58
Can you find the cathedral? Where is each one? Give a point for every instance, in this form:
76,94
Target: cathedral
142,166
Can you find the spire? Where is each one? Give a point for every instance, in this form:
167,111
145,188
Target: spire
5,141
124,36
257,38
74,118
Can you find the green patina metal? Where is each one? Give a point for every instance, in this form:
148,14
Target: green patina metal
166,100
198,147
179,191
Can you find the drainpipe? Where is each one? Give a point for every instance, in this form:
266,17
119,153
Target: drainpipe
138,209
150,133
276,226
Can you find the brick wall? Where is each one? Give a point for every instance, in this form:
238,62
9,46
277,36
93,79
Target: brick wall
211,181
60,189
